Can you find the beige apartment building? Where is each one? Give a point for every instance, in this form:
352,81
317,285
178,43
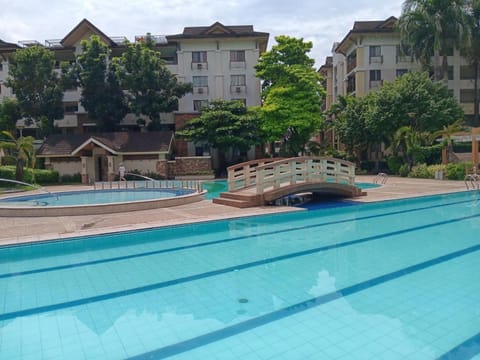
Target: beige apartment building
218,60
370,55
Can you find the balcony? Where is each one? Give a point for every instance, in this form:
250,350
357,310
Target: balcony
238,65
199,66
404,59
376,84
238,89
200,90
67,121
376,59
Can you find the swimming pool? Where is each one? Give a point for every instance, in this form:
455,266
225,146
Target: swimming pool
392,280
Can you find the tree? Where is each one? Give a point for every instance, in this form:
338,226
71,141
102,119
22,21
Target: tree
292,94
36,86
9,114
102,95
224,125
411,100
432,27
446,133
22,149
471,50
151,88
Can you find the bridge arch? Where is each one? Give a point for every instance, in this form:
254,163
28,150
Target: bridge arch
258,182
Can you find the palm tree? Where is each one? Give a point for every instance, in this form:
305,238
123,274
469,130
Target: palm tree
446,133
22,149
432,27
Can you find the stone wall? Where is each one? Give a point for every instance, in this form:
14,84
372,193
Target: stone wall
185,166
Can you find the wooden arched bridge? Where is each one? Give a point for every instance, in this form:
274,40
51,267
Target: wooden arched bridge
259,182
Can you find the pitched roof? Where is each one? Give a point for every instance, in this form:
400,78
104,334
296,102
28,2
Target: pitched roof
114,142
8,46
217,29
364,27
78,33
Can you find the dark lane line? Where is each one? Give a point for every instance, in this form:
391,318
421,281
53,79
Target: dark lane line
163,284
217,335
466,350
215,242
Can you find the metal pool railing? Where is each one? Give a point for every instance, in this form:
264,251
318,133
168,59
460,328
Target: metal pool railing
149,184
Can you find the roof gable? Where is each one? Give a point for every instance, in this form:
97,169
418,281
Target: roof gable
84,30
218,28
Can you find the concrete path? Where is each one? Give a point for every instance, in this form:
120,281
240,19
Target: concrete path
20,230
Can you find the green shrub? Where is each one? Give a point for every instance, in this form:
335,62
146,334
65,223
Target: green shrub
420,171
404,170
458,171
71,179
31,176
393,164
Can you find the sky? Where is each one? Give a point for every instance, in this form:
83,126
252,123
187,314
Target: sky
319,21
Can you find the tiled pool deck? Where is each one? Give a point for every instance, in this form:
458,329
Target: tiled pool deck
19,230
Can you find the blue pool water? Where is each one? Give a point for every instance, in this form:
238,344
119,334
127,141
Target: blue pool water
393,280
214,188
94,197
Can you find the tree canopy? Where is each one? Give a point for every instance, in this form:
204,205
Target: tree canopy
9,114
224,125
36,86
102,95
292,94
150,87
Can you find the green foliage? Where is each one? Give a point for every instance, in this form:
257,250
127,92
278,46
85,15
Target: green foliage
31,176
404,170
102,96
420,171
394,163
292,94
458,171
151,87
70,178
9,114
37,87
21,149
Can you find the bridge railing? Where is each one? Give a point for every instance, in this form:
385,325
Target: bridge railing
244,175
303,169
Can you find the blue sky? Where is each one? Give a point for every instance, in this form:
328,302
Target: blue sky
321,22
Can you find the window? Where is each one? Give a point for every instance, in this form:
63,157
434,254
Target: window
467,95
401,72
450,72
375,51
200,81
199,56
467,72
375,75
71,108
1,66
351,61
404,54
375,55
237,55
237,80
198,105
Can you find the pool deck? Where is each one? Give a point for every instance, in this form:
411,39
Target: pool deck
16,230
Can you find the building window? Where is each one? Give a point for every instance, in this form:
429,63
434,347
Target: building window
199,105
401,72
237,55
199,57
467,95
467,72
375,79
1,66
375,54
71,108
403,54
351,61
200,81
351,84
450,72
237,80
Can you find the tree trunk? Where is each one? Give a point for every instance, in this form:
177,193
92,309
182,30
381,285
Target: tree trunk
19,170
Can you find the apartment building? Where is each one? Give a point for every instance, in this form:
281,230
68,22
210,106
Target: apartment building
219,60
370,54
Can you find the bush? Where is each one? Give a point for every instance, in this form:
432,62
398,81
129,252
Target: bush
420,171
404,170
458,171
30,176
393,164
71,179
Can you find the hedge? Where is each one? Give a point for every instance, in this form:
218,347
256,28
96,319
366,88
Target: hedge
38,176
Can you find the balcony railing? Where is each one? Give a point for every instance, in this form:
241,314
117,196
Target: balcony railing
199,66
238,65
201,90
376,59
238,89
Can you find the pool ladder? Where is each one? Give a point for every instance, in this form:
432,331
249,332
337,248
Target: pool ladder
381,178
473,180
